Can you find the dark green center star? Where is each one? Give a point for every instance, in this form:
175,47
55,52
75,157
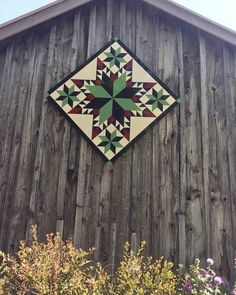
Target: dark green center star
113,98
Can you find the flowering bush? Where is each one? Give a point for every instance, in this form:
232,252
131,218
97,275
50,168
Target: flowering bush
139,275
57,267
203,281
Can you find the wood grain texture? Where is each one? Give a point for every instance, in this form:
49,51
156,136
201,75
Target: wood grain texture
230,107
182,155
191,179
2,62
166,145
219,184
11,142
174,188
205,139
144,145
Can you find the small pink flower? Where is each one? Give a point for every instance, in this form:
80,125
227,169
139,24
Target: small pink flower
218,280
210,261
233,292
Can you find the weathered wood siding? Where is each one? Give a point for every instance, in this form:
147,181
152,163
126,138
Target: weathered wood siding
175,188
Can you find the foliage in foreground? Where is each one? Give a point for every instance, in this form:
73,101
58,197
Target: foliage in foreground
57,267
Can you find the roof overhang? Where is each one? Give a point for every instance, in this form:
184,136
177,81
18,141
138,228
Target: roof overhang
59,7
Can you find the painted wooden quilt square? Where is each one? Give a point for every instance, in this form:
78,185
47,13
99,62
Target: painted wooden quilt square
112,99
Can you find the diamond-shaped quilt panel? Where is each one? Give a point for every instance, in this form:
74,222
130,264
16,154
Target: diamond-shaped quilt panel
112,99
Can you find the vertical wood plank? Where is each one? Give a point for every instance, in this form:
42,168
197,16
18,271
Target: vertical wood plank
113,248
11,140
2,62
30,99
205,140
37,192
193,196
62,182
3,89
143,147
229,55
79,54
166,146
82,202
155,145
183,168
218,152
58,137
98,237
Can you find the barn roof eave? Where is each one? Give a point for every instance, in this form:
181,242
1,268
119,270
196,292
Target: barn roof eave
59,7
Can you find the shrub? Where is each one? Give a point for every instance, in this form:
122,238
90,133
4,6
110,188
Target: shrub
56,267
137,275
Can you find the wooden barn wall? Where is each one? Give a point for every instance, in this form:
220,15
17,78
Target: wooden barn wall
175,188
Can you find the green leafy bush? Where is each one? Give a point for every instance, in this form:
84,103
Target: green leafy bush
142,276
57,267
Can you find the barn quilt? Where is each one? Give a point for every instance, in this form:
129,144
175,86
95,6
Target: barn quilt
112,99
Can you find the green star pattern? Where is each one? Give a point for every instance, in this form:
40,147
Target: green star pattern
157,99
110,141
68,96
115,57
114,94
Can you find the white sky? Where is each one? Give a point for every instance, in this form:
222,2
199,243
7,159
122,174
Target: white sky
10,9
223,12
